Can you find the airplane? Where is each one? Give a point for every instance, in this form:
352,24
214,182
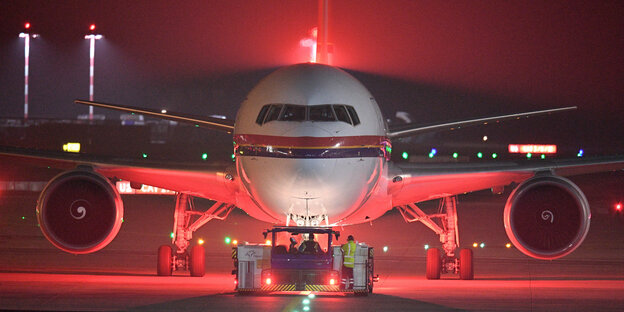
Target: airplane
313,149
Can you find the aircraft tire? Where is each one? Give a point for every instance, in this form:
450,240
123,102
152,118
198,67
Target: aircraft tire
465,264
198,260
434,263
164,261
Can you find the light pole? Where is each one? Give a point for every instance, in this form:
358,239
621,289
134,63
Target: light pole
26,35
91,37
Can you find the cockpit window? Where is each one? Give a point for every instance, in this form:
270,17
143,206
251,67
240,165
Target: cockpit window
293,113
274,112
354,116
322,113
341,113
262,114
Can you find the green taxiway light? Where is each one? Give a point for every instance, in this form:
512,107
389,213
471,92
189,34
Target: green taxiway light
227,240
171,235
455,155
405,155
205,156
426,246
543,156
529,155
144,155
494,155
480,155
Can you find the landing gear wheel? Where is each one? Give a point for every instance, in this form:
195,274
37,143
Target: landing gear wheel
465,264
198,257
164,261
434,263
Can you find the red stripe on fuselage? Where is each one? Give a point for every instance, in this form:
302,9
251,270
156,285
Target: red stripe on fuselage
306,141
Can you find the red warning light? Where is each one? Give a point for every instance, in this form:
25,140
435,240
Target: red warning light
618,207
92,27
27,25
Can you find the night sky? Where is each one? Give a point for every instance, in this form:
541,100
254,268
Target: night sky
437,60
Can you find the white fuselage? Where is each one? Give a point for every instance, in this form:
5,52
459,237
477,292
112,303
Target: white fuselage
310,145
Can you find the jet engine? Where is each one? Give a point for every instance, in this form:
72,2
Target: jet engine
547,217
80,211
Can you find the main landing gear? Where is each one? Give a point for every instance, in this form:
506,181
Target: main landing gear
182,259
446,228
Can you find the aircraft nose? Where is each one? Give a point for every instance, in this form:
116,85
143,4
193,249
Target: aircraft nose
307,131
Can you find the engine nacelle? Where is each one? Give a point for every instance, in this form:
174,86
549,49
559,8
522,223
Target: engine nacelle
547,217
80,211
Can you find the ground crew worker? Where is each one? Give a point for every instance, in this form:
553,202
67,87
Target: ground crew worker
348,260
309,246
292,249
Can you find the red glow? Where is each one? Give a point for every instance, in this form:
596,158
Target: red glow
311,42
618,207
533,148
92,27
268,281
27,25
332,281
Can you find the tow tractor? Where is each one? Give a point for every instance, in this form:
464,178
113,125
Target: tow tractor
283,265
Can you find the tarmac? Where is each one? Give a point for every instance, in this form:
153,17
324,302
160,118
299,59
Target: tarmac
36,276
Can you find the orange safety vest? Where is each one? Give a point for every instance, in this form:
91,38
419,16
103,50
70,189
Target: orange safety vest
348,254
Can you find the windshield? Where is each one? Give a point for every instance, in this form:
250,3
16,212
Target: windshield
323,113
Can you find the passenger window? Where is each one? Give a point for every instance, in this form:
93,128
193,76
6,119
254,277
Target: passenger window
354,116
293,113
262,114
273,112
322,113
341,114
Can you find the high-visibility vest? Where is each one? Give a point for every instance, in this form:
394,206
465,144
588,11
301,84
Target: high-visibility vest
348,254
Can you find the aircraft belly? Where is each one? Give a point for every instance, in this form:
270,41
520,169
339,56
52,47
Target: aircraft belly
330,186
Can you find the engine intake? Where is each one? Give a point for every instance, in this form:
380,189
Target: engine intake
80,211
547,217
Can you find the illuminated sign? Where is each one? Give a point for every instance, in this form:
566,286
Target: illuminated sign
71,147
533,148
124,188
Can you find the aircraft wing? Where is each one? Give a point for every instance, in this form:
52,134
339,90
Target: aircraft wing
207,122
215,182
413,183
414,129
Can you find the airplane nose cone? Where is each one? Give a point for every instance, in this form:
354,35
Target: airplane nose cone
308,130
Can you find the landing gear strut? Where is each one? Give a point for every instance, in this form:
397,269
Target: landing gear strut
447,229
182,258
